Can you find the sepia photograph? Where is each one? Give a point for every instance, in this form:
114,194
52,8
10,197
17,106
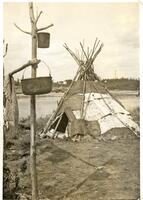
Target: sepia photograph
71,101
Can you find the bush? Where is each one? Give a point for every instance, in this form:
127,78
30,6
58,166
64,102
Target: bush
10,184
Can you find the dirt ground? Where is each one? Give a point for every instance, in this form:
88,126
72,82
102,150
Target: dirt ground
100,168
105,168
90,169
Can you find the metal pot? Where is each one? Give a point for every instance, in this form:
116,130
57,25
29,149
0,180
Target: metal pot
36,86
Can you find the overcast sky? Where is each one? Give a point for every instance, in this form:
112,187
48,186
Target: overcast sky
115,24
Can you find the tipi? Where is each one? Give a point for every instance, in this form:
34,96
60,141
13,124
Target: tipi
87,106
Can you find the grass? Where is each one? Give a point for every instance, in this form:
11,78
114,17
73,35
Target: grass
41,122
21,147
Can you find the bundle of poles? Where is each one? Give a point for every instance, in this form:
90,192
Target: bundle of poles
85,72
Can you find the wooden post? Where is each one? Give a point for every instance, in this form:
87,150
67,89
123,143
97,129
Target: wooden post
33,33
33,109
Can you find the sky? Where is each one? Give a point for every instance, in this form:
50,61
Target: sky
115,24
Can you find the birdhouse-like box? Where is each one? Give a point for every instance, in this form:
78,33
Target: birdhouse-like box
43,39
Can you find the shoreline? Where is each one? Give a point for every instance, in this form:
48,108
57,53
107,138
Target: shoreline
59,94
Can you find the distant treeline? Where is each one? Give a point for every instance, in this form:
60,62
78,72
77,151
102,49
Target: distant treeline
111,84
122,84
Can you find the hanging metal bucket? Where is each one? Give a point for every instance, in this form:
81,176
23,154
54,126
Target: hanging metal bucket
37,86
43,39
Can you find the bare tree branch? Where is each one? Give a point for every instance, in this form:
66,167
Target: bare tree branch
41,29
22,30
30,62
39,16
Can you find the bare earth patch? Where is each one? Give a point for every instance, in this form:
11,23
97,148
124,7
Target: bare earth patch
91,169
106,168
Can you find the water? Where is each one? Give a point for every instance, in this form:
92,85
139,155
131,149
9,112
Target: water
46,104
